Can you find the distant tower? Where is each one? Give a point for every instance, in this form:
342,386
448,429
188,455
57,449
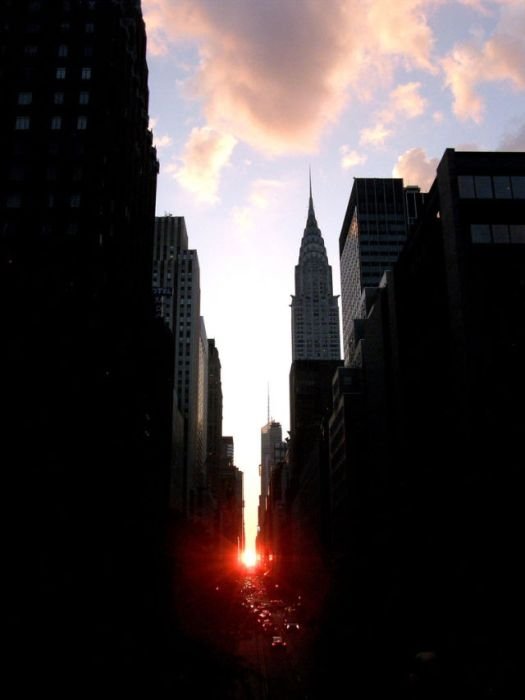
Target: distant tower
315,310
271,437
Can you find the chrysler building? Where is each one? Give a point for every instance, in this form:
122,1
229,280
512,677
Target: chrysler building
315,310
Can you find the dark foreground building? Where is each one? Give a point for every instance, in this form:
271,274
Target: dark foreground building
430,461
86,375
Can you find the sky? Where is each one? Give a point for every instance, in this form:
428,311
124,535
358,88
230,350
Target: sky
247,95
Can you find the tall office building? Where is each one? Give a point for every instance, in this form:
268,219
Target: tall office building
271,437
373,233
86,378
169,240
214,439
315,310
190,370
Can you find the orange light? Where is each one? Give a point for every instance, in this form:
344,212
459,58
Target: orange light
249,558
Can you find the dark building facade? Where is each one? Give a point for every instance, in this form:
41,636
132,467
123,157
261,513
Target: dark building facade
214,441
375,227
308,490
431,446
87,438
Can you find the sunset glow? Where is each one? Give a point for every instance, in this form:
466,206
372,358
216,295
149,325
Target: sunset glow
249,558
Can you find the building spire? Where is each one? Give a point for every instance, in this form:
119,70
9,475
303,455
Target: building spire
312,221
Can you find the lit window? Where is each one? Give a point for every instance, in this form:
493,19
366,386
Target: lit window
25,98
81,123
86,74
58,98
56,123
83,98
74,201
61,74
62,50
22,123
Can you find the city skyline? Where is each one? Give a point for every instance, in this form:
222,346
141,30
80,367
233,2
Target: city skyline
339,88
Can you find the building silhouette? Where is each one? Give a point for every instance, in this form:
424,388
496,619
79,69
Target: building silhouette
425,477
170,238
315,311
271,437
374,231
88,375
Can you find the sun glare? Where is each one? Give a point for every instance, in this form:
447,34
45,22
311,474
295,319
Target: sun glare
249,558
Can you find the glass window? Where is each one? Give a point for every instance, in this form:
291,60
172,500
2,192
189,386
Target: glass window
56,123
466,186
25,98
58,98
502,188
90,28
61,73
518,186
22,123
483,186
500,233
62,50
86,74
88,51
480,233
74,201
517,233
83,98
30,50
81,123
14,201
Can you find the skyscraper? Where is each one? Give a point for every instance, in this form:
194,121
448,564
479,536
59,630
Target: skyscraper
373,233
214,418
86,380
271,437
315,310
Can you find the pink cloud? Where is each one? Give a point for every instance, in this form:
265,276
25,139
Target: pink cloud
416,168
277,74
351,158
205,155
374,135
499,58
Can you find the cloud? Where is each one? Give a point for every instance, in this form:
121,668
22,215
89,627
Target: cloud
416,168
163,141
499,58
277,74
374,135
262,193
205,155
514,140
405,101
350,158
